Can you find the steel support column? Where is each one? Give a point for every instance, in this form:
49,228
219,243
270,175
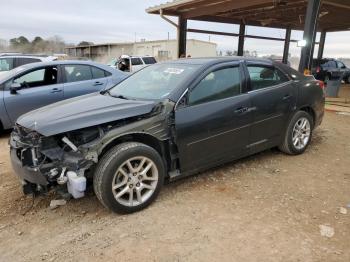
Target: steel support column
182,36
240,51
286,46
312,12
321,45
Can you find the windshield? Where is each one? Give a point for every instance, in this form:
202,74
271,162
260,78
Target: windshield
154,82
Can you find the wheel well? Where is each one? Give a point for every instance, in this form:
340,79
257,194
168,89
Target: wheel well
310,111
160,146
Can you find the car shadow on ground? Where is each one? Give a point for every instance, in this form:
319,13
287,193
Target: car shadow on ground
5,134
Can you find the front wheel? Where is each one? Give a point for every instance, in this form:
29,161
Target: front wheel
298,134
129,177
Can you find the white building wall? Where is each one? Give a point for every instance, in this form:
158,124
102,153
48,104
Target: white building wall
162,50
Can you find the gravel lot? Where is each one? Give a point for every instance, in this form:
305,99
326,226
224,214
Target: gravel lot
269,207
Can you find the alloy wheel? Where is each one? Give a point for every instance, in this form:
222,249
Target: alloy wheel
301,133
135,181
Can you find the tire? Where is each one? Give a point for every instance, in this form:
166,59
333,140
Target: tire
121,175
347,80
302,138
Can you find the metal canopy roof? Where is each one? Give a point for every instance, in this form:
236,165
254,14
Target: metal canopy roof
334,14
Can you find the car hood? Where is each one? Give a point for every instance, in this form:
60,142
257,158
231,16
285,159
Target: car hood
82,112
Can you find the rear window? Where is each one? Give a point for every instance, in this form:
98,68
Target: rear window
98,73
149,60
76,73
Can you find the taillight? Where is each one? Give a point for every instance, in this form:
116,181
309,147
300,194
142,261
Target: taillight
318,69
321,84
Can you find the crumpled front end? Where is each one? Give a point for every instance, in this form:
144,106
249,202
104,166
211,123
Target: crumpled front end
42,162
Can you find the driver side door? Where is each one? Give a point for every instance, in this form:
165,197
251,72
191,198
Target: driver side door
38,88
213,125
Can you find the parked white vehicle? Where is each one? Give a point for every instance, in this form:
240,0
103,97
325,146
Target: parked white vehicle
132,63
10,61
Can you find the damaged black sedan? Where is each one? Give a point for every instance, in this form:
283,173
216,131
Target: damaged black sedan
165,122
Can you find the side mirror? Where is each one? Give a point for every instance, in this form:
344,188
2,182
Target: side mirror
15,87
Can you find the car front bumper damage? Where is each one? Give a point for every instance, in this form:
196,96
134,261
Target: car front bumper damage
40,163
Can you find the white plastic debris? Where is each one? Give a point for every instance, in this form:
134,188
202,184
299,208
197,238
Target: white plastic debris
76,184
326,231
343,210
56,203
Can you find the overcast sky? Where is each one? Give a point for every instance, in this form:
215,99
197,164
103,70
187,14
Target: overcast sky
120,20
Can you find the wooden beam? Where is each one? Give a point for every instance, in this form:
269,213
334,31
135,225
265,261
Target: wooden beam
190,30
310,28
240,50
286,45
321,46
182,37
222,6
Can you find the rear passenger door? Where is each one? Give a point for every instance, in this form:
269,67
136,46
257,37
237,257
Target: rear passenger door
273,97
83,79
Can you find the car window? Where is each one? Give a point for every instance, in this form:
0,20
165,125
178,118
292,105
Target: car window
340,64
262,77
6,64
331,64
39,77
98,72
149,60
219,84
76,73
27,60
136,61
155,81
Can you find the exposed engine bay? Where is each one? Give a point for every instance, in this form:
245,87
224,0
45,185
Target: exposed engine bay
68,158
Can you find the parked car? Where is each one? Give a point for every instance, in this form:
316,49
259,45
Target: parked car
31,86
10,61
165,122
328,68
132,63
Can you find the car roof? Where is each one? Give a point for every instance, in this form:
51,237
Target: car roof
215,60
42,57
63,62
30,66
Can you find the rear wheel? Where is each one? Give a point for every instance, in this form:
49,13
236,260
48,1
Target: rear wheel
347,79
298,134
129,177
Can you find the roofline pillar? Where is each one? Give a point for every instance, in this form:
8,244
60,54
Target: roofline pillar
286,45
240,51
321,45
182,36
310,29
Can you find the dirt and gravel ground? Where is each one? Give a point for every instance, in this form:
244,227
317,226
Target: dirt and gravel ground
269,207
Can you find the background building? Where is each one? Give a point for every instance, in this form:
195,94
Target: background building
161,49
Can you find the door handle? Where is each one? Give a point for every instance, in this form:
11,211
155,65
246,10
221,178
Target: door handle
56,90
241,110
98,84
286,97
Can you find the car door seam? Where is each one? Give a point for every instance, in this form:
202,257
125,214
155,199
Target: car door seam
216,135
